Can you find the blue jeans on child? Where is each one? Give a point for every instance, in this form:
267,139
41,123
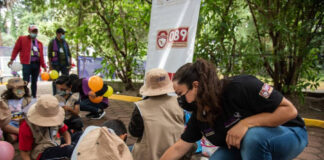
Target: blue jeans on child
279,143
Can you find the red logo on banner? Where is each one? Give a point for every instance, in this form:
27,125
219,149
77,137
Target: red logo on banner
162,39
177,37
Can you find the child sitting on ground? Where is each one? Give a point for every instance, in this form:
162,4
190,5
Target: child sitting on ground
38,138
118,127
96,109
16,97
70,102
107,142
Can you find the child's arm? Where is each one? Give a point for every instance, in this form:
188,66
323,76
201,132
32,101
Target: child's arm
67,138
74,111
11,129
25,155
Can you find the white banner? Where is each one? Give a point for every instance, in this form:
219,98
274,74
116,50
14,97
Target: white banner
172,34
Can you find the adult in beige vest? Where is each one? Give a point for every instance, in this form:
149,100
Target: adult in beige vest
157,120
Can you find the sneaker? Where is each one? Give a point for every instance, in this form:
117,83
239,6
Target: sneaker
90,115
99,115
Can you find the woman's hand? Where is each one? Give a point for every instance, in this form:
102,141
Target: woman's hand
177,150
235,134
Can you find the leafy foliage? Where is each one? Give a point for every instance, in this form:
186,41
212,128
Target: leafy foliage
116,30
281,41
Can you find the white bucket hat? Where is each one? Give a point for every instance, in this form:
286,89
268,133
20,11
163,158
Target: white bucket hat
157,82
46,112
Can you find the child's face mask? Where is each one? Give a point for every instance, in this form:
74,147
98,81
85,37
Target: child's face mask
62,93
19,92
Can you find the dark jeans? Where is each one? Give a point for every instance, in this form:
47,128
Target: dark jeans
33,71
57,152
59,68
87,105
61,153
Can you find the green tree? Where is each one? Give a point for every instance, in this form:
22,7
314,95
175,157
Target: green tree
278,40
218,38
291,32
116,30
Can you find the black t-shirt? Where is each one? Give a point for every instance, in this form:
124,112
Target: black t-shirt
242,97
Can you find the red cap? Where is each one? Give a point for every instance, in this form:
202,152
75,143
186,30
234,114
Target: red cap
32,27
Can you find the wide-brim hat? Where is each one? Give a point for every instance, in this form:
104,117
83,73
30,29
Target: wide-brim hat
15,83
46,112
157,82
5,114
99,143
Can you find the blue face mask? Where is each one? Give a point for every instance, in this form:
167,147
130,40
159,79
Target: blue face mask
33,35
62,93
63,36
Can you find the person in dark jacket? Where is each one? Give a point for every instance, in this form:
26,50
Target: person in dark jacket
59,55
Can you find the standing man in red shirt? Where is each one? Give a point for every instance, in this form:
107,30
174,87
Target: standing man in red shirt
31,56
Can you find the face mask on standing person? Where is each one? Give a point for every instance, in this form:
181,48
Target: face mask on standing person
33,35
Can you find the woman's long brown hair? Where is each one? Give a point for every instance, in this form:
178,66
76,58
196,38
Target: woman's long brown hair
209,90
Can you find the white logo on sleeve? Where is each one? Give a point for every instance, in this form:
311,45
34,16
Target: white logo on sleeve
266,91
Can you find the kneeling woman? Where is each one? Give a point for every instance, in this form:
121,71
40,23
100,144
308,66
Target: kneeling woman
247,118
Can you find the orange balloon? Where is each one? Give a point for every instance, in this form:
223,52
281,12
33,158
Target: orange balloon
95,83
45,76
93,98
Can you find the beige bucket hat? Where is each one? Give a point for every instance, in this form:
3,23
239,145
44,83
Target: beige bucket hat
46,112
5,114
15,83
157,82
99,143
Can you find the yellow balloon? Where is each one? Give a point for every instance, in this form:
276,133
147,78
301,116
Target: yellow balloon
54,74
109,92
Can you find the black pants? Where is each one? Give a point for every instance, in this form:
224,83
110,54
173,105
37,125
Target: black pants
59,68
33,71
61,153
87,105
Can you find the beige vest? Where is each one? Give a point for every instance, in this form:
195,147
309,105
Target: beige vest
70,102
163,126
25,101
44,137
